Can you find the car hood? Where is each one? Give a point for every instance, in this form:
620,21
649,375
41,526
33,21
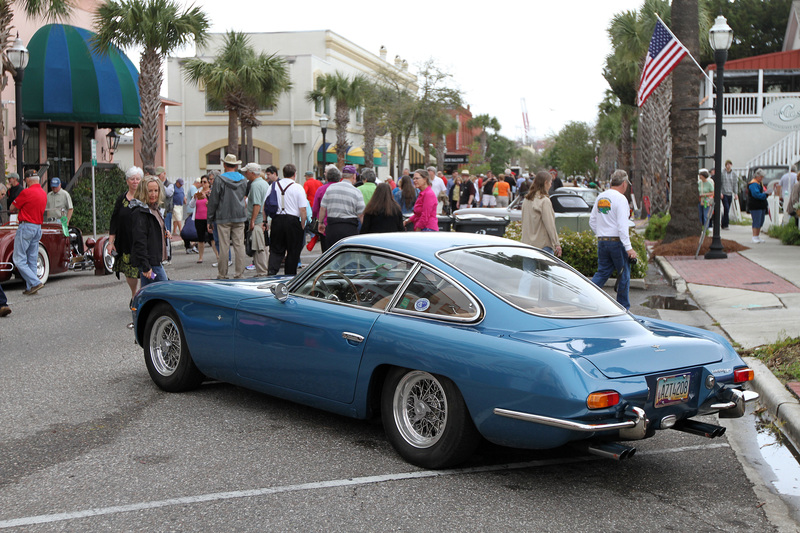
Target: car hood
628,348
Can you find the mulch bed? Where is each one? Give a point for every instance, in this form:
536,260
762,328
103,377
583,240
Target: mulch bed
688,246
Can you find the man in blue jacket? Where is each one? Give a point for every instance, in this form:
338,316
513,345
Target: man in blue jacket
226,210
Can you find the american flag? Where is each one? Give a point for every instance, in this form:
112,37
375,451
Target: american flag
665,52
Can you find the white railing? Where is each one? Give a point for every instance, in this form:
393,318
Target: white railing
749,104
784,152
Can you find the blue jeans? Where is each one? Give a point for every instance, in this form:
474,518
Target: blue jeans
611,255
704,212
168,221
3,299
26,250
161,275
758,217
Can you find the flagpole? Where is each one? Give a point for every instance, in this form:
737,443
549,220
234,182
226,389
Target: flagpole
687,51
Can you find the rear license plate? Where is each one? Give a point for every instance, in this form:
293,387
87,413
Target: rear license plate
671,390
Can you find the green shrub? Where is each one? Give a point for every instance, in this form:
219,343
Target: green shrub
657,227
788,233
579,250
109,183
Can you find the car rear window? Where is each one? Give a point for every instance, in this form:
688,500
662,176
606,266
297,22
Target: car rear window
533,281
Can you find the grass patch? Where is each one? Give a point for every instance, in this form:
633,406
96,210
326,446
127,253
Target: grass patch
781,357
788,233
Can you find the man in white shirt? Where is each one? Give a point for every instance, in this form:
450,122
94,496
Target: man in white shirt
784,188
439,189
609,221
286,231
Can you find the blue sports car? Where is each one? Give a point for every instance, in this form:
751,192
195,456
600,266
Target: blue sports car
449,338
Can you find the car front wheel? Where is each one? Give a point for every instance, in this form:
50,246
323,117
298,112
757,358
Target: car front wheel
42,265
426,419
166,353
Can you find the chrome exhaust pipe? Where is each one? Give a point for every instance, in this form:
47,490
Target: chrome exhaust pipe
699,428
609,450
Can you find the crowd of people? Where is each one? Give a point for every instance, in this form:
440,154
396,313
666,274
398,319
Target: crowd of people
248,211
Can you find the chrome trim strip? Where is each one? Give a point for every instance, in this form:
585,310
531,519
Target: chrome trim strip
570,424
6,267
722,406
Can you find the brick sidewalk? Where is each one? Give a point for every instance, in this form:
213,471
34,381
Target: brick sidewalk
735,272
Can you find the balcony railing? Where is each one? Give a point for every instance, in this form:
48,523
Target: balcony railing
748,104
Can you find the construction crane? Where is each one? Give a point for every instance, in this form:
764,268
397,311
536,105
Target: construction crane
525,124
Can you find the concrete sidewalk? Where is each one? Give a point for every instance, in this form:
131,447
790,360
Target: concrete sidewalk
753,296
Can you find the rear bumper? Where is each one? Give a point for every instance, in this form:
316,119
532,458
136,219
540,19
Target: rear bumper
634,427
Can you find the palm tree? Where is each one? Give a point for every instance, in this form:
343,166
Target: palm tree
348,94
683,126
49,10
484,122
433,125
243,82
159,27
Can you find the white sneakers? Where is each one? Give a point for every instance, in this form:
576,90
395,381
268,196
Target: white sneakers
758,240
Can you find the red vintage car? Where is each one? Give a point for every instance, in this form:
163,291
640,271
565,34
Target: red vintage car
57,253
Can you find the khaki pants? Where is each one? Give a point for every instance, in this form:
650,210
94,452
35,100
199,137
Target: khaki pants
231,234
258,244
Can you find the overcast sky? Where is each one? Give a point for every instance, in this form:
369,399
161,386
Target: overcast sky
551,53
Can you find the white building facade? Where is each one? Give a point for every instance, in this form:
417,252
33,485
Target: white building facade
290,132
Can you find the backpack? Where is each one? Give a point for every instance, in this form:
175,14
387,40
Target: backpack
271,205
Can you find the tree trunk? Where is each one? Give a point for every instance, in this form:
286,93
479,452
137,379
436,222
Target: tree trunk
440,148
392,152
626,138
684,126
243,145
150,80
370,129
654,145
342,119
427,140
233,132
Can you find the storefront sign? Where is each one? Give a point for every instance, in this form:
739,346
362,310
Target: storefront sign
782,115
456,159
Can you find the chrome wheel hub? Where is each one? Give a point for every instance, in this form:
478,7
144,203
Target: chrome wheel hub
420,409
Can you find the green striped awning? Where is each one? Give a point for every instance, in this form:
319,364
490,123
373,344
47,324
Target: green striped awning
65,81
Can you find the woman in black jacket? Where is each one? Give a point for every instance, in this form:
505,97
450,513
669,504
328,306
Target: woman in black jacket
382,213
120,228
150,236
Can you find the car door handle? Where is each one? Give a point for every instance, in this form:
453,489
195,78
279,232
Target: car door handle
352,337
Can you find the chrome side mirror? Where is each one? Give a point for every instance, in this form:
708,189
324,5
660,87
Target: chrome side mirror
280,291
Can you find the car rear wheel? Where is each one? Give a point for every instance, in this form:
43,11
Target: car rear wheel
42,265
426,419
166,353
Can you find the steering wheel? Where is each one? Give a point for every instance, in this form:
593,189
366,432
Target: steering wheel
337,274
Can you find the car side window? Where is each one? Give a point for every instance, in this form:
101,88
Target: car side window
357,277
428,293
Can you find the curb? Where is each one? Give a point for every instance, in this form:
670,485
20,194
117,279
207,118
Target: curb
669,271
780,403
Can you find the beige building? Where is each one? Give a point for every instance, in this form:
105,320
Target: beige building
290,132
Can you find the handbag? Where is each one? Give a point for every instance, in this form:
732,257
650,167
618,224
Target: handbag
248,243
313,227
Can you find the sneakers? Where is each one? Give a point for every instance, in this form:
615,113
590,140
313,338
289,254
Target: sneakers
33,290
230,262
250,267
214,265
757,240
5,311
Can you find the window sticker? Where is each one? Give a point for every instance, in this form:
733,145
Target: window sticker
422,305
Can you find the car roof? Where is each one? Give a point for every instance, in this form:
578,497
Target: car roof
424,245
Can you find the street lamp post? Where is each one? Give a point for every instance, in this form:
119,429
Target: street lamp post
323,123
720,36
18,56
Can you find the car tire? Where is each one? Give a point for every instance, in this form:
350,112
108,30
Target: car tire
108,259
426,419
42,265
166,353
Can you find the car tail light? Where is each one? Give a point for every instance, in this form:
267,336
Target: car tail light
740,375
602,399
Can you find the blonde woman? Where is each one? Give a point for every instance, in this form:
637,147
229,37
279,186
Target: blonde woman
150,234
538,217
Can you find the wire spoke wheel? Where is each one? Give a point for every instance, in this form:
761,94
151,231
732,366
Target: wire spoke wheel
420,409
165,346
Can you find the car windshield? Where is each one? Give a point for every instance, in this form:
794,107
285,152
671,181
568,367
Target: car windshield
532,281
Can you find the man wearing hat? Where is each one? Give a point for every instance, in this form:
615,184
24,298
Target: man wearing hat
255,215
226,211
30,204
467,191
59,202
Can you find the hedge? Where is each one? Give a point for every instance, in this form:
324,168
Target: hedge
109,184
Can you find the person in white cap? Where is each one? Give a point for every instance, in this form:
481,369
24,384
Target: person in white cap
226,211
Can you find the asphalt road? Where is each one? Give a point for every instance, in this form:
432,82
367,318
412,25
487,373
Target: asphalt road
88,443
